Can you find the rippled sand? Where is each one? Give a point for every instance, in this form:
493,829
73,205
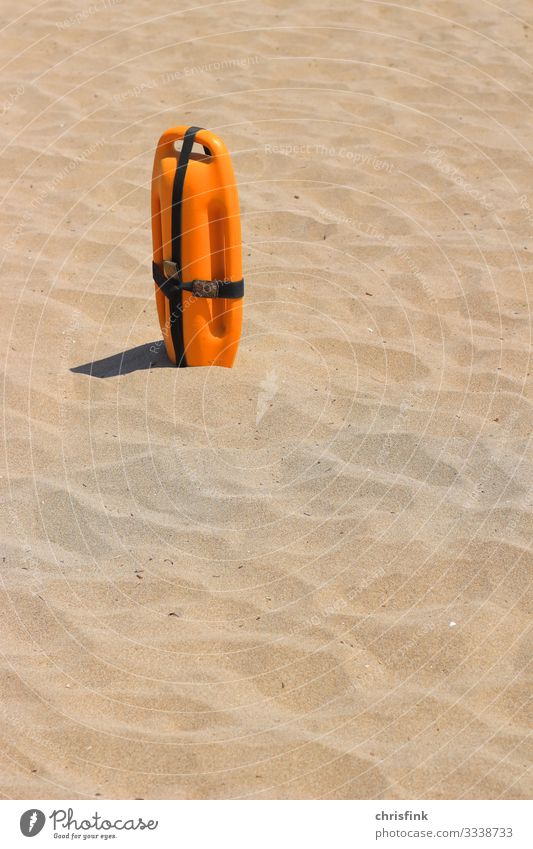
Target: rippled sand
307,576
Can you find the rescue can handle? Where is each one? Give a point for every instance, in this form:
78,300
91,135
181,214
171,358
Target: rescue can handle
212,145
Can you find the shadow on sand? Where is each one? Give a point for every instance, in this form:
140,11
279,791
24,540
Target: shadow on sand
151,355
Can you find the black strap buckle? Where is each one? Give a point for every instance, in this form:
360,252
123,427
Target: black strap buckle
205,288
170,269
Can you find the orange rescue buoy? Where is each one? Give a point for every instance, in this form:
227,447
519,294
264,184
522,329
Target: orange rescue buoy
197,254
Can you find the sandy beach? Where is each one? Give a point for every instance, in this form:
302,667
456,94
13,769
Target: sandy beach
308,576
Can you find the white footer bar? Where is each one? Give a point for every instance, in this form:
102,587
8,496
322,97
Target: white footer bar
268,824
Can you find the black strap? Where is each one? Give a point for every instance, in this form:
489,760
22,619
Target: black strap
177,193
176,307
173,286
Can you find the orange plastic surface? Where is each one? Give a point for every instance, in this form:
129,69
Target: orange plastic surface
210,246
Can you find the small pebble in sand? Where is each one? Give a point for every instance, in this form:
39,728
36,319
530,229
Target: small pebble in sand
452,624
